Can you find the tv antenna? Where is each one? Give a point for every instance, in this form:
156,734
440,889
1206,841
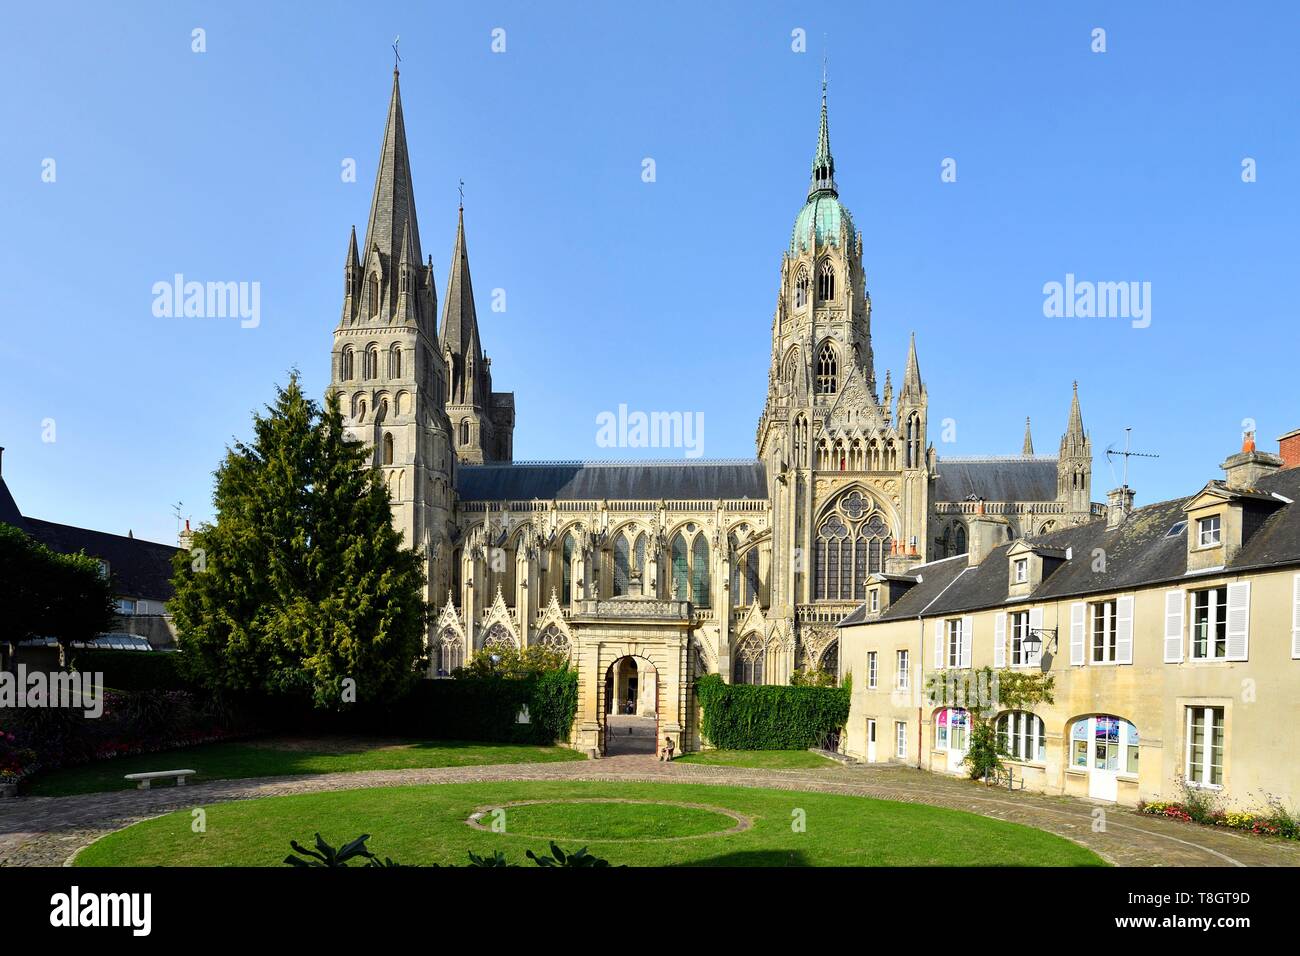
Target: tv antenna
1126,454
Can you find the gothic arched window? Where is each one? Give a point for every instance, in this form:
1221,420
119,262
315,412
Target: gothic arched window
622,569
448,653
681,568
801,288
746,579
553,639
825,281
827,371
700,571
959,540
914,441
566,570
371,369
748,668
388,448
853,542
346,364
395,362
464,432
373,288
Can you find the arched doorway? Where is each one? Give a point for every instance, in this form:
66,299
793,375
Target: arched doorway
631,707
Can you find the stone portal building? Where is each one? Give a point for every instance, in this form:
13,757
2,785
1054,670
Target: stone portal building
742,568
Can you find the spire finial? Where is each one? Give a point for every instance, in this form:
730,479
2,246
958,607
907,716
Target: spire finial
397,57
462,194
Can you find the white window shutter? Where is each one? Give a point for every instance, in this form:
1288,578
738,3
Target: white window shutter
1295,619
1036,624
1124,630
938,644
1077,611
1174,603
967,627
1000,639
1238,620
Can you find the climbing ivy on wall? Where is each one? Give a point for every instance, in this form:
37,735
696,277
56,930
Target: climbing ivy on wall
749,717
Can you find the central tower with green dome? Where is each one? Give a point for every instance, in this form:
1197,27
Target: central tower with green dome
848,466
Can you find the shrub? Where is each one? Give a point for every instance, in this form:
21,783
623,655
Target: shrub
769,717
487,707
132,670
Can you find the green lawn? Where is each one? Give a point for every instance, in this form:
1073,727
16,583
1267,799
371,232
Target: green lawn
765,759
279,756
427,824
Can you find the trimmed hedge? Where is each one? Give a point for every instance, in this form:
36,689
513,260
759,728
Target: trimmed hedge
486,708
132,670
749,717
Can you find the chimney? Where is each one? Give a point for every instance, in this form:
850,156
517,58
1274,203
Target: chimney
1119,505
986,533
1288,447
1244,469
186,537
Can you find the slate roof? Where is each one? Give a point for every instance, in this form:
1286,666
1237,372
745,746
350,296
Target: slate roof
1139,553
626,481
9,513
140,569
1014,478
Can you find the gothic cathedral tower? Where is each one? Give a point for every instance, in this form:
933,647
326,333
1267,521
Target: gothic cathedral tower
388,369
849,482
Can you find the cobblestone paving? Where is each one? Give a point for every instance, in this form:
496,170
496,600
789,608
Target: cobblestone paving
48,831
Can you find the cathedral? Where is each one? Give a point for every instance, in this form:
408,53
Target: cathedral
649,574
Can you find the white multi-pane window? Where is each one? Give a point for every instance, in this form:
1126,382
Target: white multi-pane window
871,669
1102,629
875,599
1020,655
1208,531
902,670
1021,733
900,739
1022,570
1104,742
953,645
1210,624
1204,765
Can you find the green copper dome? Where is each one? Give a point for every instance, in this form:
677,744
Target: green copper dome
822,217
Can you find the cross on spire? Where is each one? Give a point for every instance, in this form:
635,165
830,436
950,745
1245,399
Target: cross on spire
397,57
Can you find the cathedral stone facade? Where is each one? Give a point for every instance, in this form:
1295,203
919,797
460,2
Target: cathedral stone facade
651,574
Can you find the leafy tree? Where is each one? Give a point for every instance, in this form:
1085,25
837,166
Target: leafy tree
302,583
812,677
508,661
48,594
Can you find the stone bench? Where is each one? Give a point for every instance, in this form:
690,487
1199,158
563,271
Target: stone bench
146,778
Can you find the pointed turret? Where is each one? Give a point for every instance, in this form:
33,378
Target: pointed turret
351,281
459,332
1074,430
1074,466
912,384
1028,448
392,220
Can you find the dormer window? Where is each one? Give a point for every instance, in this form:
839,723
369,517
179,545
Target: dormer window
875,600
1021,571
1208,532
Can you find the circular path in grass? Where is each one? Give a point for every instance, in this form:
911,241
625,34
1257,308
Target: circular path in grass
669,824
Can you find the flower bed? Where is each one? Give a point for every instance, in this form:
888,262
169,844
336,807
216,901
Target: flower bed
1274,821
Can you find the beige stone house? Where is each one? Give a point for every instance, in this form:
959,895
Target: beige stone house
1172,632
683,567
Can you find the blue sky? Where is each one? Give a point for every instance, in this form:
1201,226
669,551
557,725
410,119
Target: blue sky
1116,166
